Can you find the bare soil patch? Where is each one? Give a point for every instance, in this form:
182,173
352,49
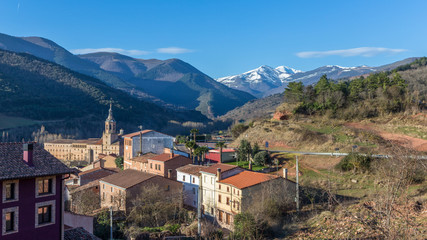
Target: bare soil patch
417,144
320,162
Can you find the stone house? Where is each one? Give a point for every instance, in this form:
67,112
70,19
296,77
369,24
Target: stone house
208,184
120,189
189,176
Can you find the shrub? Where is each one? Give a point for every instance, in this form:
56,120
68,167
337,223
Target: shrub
356,162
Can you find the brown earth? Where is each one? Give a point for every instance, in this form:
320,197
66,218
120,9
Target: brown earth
417,144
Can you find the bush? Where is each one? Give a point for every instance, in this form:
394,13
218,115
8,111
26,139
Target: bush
247,227
261,158
356,162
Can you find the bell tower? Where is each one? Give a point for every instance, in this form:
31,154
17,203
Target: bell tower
110,134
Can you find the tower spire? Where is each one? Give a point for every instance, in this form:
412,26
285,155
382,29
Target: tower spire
110,111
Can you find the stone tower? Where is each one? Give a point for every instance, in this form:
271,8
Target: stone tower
110,134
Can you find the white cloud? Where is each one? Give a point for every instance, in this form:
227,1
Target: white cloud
362,51
174,50
131,52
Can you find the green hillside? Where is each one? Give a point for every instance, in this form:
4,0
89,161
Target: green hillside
36,89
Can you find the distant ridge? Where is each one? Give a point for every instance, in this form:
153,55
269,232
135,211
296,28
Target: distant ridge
172,83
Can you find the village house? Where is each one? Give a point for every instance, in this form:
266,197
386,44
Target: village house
208,183
166,164
69,150
236,194
31,197
189,176
139,163
145,141
228,155
118,190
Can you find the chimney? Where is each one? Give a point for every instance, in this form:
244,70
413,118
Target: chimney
170,173
218,174
28,153
171,153
285,173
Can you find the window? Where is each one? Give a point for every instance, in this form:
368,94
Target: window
10,191
227,218
151,165
219,186
10,217
238,205
167,188
194,179
228,189
103,186
228,201
10,220
220,216
112,190
45,186
194,190
205,179
44,214
183,178
103,196
219,198
111,198
212,180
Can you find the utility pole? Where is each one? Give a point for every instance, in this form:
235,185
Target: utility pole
140,139
297,187
111,222
199,209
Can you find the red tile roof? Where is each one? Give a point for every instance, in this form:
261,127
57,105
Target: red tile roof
191,169
248,179
167,157
144,158
137,133
224,167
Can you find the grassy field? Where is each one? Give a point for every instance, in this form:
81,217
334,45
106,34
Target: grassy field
13,122
245,164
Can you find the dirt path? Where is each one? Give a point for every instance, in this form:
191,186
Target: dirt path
403,140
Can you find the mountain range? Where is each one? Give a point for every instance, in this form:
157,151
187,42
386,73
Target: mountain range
172,83
259,80
265,81
75,104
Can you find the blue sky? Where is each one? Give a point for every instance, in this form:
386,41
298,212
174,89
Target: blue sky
229,37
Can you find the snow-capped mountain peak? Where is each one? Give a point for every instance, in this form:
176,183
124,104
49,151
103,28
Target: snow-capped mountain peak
259,79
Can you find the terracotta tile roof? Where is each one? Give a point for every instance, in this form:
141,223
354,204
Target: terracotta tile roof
144,158
128,178
143,132
223,150
79,233
96,173
137,133
224,167
13,165
247,179
164,157
191,169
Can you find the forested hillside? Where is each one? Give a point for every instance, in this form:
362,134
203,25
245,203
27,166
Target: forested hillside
339,98
364,97
72,103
